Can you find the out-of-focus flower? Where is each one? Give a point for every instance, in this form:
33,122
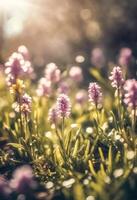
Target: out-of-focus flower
28,70
53,115
97,57
26,102
130,97
18,66
23,104
52,73
76,74
4,189
63,106
22,180
44,87
117,78
125,57
81,96
14,66
24,52
63,87
10,80
26,99
95,94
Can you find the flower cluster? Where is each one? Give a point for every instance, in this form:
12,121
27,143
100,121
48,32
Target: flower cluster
22,182
95,94
81,96
117,78
63,87
18,66
97,57
63,106
23,104
52,73
130,97
44,87
125,57
76,74
53,115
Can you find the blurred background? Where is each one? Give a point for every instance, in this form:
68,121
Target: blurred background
69,31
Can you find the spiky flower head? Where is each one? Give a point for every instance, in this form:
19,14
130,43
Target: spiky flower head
81,96
63,106
53,115
22,180
130,97
64,87
44,87
52,73
24,52
125,56
26,102
116,77
18,67
97,57
14,65
95,94
76,74
23,104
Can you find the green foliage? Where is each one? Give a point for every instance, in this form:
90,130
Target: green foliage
93,158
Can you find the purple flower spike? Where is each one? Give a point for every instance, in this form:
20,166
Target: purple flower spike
26,102
95,94
52,73
125,56
76,74
22,180
44,87
97,57
63,106
81,96
117,78
14,65
53,115
130,98
24,52
63,87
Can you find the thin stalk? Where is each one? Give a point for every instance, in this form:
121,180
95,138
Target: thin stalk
20,115
134,121
97,114
119,107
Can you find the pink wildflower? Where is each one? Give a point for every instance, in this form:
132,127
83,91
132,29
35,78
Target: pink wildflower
95,94
125,56
52,73
81,96
117,78
97,57
53,115
24,52
44,87
22,180
63,106
130,97
63,87
76,74
14,65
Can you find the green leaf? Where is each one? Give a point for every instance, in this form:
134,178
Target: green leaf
16,145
